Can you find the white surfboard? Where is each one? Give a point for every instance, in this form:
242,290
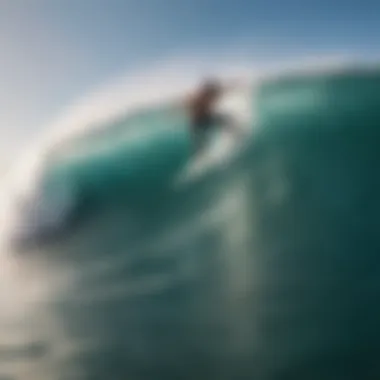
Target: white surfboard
217,153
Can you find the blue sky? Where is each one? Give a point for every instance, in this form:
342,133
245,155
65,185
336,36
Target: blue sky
53,51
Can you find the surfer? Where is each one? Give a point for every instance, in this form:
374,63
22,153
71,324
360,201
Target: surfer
201,110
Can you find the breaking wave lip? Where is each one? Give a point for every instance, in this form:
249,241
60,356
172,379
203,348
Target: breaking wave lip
27,213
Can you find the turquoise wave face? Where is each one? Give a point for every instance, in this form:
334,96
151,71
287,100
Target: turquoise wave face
131,159
268,269
137,158
139,144
325,101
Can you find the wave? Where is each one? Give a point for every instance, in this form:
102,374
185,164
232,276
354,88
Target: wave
267,256
136,158
136,152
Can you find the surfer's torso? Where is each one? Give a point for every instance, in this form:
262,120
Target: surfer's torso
203,116
201,109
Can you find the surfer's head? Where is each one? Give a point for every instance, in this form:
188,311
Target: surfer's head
212,87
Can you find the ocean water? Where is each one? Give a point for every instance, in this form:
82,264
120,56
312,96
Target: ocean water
265,267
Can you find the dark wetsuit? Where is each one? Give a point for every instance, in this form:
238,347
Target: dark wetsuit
203,117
